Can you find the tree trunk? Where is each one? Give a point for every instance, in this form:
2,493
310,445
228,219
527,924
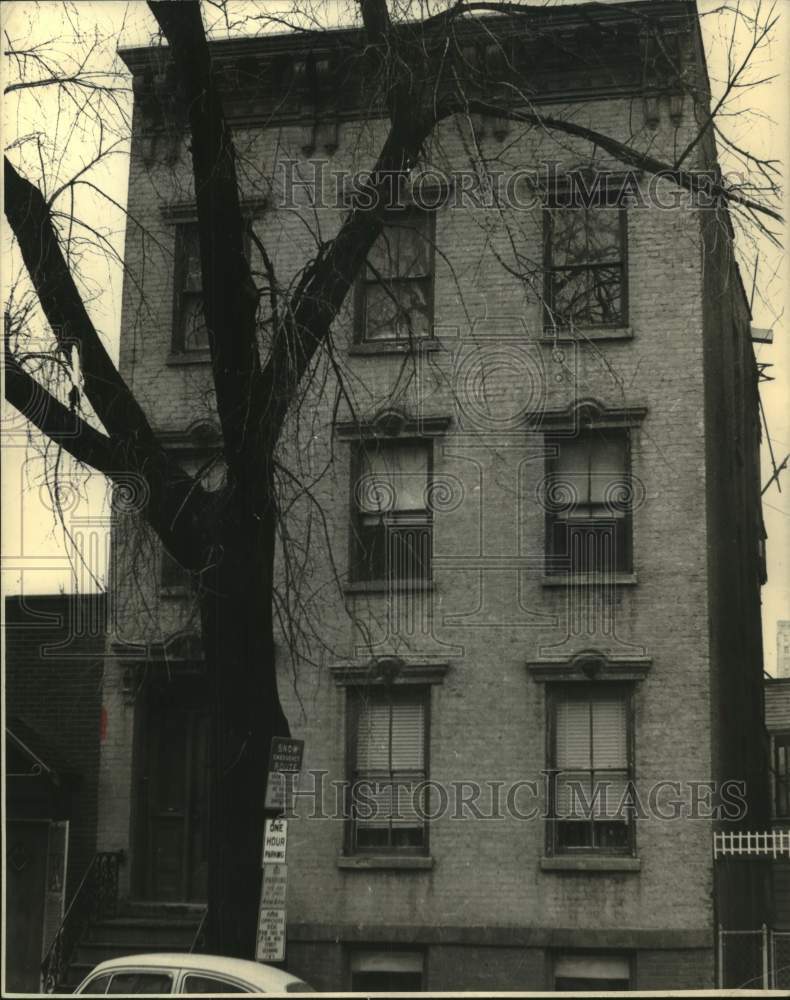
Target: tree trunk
238,639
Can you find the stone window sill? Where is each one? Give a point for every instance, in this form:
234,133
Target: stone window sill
590,863
387,586
591,333
589,580
177,358
395,346
367,862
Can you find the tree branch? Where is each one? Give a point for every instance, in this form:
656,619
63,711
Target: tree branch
229,295
58,423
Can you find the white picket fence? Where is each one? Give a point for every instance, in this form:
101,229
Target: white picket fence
757,844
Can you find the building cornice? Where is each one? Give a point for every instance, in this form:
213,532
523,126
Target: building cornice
583,52
388,670
392,424
589,665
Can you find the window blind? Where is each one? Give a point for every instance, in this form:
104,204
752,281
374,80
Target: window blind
394,478
591,747
390,760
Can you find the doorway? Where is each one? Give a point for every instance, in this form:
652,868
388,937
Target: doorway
174,792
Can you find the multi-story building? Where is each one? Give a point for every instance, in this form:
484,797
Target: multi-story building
541,503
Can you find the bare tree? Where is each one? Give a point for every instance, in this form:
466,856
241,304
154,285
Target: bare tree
422,63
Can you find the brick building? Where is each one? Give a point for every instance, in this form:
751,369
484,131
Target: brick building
542,511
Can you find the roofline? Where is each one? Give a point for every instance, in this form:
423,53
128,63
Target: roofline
295,41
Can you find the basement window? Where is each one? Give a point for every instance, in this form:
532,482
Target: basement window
595,973
386,971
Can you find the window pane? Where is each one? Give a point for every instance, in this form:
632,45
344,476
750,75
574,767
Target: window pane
131,983
209,984
190,258
97,985
194,332
403,248
592,464
609,749
573,835
408,736
398,310
584,236
596,973
573,735
590,296
393,478
573,794
373,737
386,982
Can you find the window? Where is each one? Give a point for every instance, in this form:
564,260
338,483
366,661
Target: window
588,504
194,983
393,529
387,754
131,983
97,985
386,971
585,267
590,760
395,296
174,579
189,331
782,776
595,973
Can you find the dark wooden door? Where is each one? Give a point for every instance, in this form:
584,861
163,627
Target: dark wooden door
26,873
176,786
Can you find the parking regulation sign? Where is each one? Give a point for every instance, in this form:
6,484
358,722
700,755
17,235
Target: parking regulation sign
270,946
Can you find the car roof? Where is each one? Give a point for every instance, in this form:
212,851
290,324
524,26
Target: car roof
254,973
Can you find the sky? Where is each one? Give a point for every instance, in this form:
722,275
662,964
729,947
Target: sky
39,549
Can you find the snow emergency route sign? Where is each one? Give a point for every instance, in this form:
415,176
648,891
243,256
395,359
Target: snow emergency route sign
285,763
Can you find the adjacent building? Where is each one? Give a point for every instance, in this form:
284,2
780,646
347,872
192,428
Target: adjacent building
537,564
54,652
783,649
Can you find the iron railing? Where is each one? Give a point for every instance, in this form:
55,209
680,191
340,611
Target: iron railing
96,898
199,940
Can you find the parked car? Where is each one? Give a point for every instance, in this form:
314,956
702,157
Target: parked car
173,972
